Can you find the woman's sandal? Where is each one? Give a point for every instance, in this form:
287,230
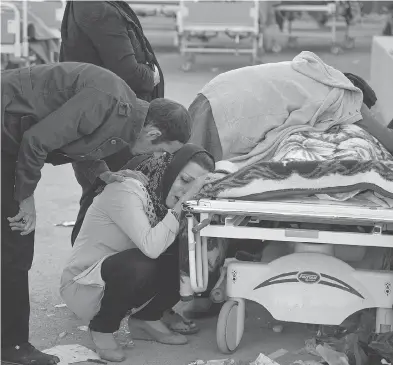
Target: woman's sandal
177,323
107,349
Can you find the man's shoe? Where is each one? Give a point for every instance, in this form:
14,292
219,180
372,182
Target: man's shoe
26,354
106,347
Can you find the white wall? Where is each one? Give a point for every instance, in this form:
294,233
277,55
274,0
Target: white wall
382,75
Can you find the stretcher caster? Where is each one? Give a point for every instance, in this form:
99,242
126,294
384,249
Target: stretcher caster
230,325
349,43
335,49
292,42
189,60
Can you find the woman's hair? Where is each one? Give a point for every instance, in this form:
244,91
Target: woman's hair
204,160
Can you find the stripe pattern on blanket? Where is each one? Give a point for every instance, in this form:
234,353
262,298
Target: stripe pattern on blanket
339,163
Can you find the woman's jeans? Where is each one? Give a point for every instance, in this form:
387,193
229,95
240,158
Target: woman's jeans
131,280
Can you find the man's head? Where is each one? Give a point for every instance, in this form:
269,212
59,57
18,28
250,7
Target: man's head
167,128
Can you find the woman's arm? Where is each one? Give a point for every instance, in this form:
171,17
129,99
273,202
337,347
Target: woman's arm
107,30
125,207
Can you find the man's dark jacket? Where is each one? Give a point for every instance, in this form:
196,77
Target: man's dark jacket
109,34
65,112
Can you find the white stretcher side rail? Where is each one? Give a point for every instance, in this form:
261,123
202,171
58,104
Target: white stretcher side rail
14,38
236,214
10,30
233,18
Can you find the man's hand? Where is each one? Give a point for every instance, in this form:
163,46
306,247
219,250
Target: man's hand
25,220
156,76
109,177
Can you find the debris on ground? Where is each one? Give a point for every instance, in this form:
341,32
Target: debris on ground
62,334
65,224
276,354
382,345
70,354
308,362
62,305
83,328
263,360
213,362
331,356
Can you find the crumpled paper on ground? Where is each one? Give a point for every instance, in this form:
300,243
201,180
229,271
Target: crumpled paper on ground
70,354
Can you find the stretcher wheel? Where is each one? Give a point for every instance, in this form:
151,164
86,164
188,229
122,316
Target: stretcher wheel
349,43
228,338
292,42
335,49
276,48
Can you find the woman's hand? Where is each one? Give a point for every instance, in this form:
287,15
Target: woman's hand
109,177
156,76
25,220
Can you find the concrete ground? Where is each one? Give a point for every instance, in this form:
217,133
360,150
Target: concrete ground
57,201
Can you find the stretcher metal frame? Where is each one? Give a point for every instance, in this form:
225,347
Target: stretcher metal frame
235,217
234,29
17,30
329,8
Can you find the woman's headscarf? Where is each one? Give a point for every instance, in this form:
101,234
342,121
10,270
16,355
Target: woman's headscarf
162,172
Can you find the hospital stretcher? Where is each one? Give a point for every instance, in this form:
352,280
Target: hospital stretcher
308,286
204,20
329,8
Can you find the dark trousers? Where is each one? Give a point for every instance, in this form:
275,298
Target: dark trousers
16,258
131,280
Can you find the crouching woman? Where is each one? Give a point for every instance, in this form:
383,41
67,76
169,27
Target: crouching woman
124,257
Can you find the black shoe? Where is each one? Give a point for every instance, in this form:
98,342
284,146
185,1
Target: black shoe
26,354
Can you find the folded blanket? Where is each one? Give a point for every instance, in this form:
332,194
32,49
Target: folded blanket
255,108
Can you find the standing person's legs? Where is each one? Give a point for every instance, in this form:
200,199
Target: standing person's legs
16,260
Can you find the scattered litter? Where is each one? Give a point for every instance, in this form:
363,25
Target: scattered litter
213,362
62,335
66,224
263,360
70,354
275,355
308,362
309,348
60,305
83,328
331,356
50,315
278,328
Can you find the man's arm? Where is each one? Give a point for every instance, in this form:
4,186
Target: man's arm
106,29
79,116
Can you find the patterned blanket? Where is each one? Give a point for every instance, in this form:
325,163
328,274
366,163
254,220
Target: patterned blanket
338,164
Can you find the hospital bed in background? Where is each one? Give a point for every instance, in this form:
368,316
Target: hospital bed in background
14,39
31,31
309,286
199,22
327,10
